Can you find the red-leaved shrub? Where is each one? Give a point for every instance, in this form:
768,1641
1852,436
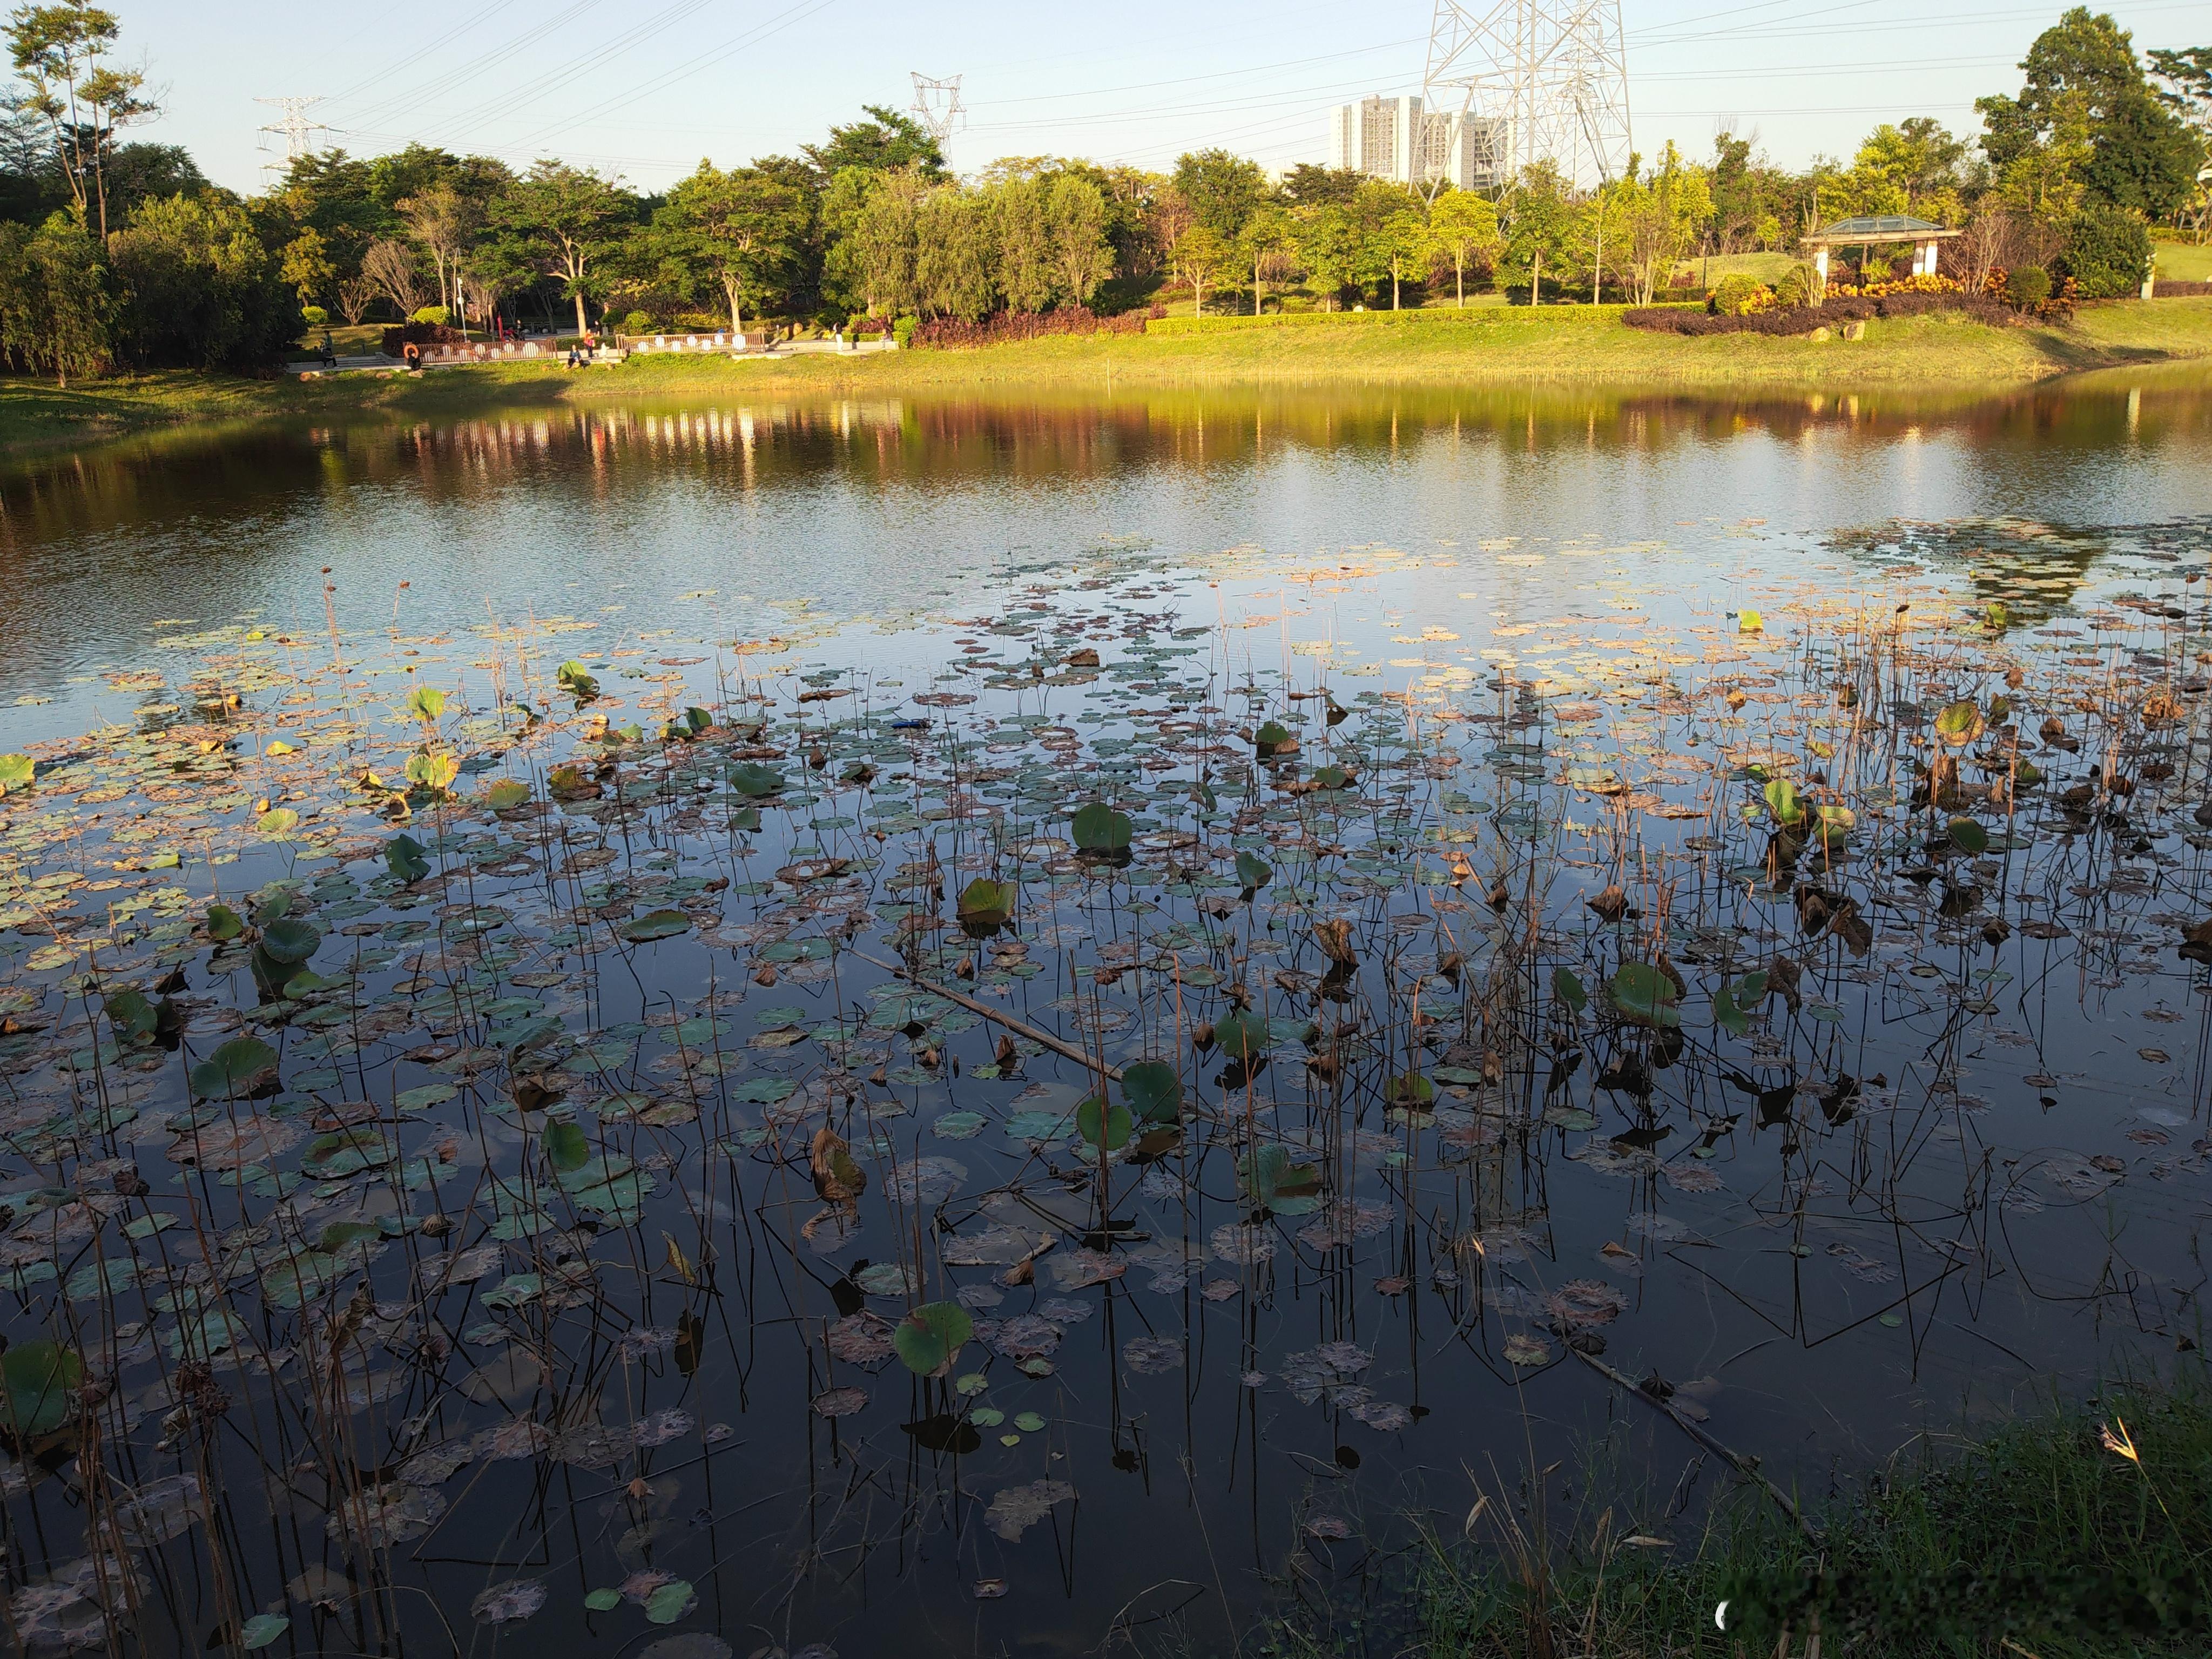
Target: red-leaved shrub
950,332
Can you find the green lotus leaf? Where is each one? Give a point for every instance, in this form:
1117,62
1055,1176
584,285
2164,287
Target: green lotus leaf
1152,1090
1102,1126
233,1068
753,780
38,1384
930,1338
656,924
1098,828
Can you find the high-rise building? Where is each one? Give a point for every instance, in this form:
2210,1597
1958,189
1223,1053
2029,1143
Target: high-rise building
1395,138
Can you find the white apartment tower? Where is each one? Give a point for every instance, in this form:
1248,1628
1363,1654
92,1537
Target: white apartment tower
1394,138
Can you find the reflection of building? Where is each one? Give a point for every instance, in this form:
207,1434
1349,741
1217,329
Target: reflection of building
1396,138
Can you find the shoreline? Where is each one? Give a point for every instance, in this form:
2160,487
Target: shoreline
1582,352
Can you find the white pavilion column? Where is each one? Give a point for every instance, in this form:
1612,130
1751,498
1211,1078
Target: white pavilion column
1820,274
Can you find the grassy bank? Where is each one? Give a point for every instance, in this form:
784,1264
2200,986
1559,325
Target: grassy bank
2038,1539
1494,346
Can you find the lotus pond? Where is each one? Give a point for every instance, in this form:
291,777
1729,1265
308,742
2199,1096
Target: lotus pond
906,1030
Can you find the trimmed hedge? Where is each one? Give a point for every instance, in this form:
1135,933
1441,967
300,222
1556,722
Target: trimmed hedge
1428,314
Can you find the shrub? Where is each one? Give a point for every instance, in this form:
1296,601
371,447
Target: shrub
1794,289
1803,320
1740,296
2028,286
316,316
902,331
396,340
1010,325
438,316
2107,253
637,322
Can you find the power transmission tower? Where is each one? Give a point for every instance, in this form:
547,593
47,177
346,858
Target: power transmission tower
1546,80
938,104
297,129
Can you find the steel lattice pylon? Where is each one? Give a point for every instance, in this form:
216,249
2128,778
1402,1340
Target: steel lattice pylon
1549,77
938,104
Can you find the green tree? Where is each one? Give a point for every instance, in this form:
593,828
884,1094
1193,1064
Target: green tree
1028,274
2186,89
1462,226
1268,243
883,248
54,301
1200,260
1399,230
1310,186
307,266
2141,155
568,220
1221,190
888,141
61,51
196,287
1908,168
1664,216
2107,253
740,232
1076,216
955,257
1538,219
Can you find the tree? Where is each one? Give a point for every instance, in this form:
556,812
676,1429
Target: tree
2141,155
1537,220
1221,190
443,222
1397,230
1028,275
1663,218
955,254
54,304
1310,186
1462,225
1268,243
355,296
1200,260
1076,219
196,287
307,266
566,219
888,141
60,50
738,231
883,247
389,270
1909,167
2187,91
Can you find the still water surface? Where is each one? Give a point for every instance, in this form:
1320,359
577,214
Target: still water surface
1896,1215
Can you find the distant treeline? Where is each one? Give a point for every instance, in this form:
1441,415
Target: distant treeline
120,253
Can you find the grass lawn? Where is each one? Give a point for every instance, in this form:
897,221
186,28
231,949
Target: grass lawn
2035,1538
2183,262
1482,346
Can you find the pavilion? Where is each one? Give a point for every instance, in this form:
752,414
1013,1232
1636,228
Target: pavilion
1869,232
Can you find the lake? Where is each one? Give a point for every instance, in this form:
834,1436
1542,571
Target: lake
1031,1024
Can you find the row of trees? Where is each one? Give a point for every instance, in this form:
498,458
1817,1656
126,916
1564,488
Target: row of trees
116,250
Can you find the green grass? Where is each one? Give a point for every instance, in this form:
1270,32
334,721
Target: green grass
2034,1540
1568,346
2183,262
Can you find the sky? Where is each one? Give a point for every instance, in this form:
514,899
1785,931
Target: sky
646,88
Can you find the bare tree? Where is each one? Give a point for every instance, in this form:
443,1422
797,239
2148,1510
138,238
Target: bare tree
443,222
355,296
390,269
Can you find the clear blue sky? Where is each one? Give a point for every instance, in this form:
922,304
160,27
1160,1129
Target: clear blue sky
646,88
